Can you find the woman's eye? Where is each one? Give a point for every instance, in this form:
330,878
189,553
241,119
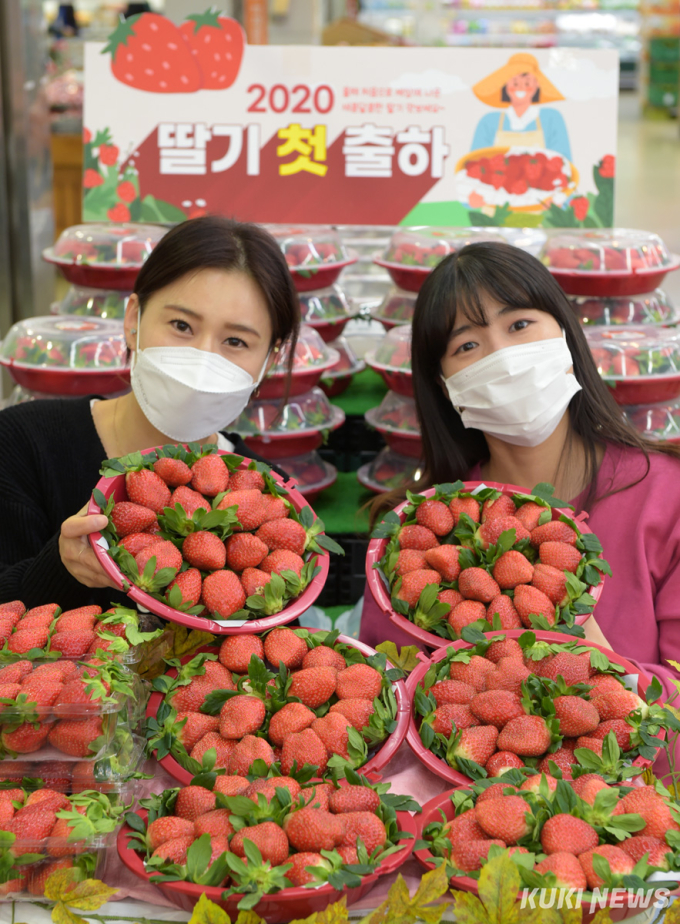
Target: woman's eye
235,342
465,347
520,325
182,326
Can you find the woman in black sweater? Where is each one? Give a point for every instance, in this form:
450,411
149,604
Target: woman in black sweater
211,306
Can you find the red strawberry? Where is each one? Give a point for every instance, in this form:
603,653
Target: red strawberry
167,828
504,818
284,645
244,550
621,729
603,683
498,790
149,53
529,514
190,585
26,739
247,751
289,535
241,715
511,569
477,584
48,609
531,602
366,828
590,790
354,799
249,480
617,705
14,608
218,675
76,620
332,729
560,555
216,42
358,711
358,680
76,737
503,607
620,863
237,650
292,718
196,726
148,490
24,640
190,501
477,743
637,846
505,648
301,863
268,788
414,583
250,508
72,644
303,747
453,691
566,665
215,823
15,673
213,741
509,674
410,560
497,707
314,686
452,716
318,796
282,560
174,472
526,736
444,559
268,837
254,580
463,827
452,597
275,507
501,761
231,785
204,550
175,850
468,505
562,757
417,537
552,583
576,716
209,475
652,809
131,518
323,656
490,531
468,856
38,876
474,672
581,782
435,516
223,594
502,506
135,542
564,833
167,555
194,801
465,613
191,697
555,531
316,829
567,869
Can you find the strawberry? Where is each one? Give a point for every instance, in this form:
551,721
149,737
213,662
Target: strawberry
464,827
468,856
268,788
576,716
505,648
590,790
48,609
314,686
526,736
501,761
555,531
77,620
20,884
452,716
473,672
533,783
15,609
216,42
323,656
190,501
490,531
218,675
567,869
410,560
268,837
209,476
354,799
254,580
243,550
618,705
130,518
496,707
652,809
31,824
318,796
247,751
76,737
282,560
223,594
562,757
195,727
135,542
275,507
237,650
358,680
468,505
502,506
639,845
477,584
365,827
621,729
620,863
146,489
59,844
298,874
9,691
552,583
417,537
504,818
435,516
204,550
498,790
213,741
38,876
167,555
560,555
464,614
249,480
231,785
531,602
303,747
358,711
509,674
190,585
25,640
25,739
603,683
453,691
148,52
580,782
333,730
289,535
477,743
316,829
452,597
241,715
215,823
444,560
284,645
529,514
511,569
194,801
504,608
250,508
72,644
564,833
175,850
414,583
566,665
173,472
191,697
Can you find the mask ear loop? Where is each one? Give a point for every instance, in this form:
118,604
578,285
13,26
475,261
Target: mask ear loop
135,330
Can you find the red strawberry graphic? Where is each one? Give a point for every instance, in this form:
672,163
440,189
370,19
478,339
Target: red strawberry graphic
216,43
148,52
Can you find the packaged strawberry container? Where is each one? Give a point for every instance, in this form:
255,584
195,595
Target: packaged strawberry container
531,240
607,262
312,359
226,516
277,431
338,378
397,420
397,307
478,525
364,845
388,471
97,303
650,308
200,686
310,473
640,364
392,359
104,256
656,421
327,311
315,254
67,355
413,253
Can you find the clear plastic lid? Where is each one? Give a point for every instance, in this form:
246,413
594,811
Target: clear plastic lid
396,413
108,244
656,421
348,364
310,353
311,411
653,308
329,304
531,240
390,470
610,250
394,351
397,306
425,247
66,342
98,303
309,245
629,352
310,471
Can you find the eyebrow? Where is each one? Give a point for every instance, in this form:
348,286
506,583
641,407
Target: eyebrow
466,327
240,328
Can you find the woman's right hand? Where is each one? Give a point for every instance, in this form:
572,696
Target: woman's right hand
76,552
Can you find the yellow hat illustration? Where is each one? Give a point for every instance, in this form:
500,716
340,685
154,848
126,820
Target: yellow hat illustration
490,89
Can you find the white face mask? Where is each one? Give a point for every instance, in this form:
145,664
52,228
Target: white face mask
189,394
517,394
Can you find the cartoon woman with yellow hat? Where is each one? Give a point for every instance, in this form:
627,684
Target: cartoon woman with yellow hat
517,89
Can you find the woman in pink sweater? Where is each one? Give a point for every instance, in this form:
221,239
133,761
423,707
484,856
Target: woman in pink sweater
507,391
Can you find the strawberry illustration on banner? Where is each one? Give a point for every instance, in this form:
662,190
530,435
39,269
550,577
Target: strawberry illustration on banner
216,43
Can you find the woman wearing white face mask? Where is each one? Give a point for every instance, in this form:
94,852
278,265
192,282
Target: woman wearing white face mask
507,391
211,307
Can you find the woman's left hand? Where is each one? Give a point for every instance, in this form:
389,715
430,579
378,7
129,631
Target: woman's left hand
595,634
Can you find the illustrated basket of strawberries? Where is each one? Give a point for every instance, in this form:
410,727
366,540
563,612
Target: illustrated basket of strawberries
299,700
104,256
311,360
396,308
327,311
656,421
640,364
43,831
315,254
392,359
607,262
109,304
67,355
616,845
262,844
484,553
389,470
208,539
518,699
649,308
338,378
311,473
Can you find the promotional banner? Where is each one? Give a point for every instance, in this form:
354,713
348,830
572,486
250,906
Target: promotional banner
181,121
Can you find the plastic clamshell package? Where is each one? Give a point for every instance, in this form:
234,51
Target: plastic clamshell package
397,307
395,414
329,304
656,421
392,359
98,303
648,308
348,364
95,849
278,431
312,358
312,473
640,363
315,254
389,470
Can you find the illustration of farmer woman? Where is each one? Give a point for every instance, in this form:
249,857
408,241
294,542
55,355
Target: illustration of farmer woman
520,91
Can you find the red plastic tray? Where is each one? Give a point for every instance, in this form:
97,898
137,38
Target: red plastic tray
329,330
336,386
648,389
274,386
376,550
295,608
614,283
95,276
73,382
401,382
312,491
374,766
295,443
407,444
283,906
409,278
319,277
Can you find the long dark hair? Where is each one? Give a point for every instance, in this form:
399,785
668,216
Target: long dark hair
516,279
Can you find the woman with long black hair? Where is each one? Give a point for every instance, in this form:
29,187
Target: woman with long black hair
507,391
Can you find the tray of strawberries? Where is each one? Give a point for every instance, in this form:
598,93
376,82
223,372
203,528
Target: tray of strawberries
397,307
104,256
388,471
396,419
392,359
656,421
649,308
338,378
486,554
98,303
281,848
516,699
327,311
208,539
607,262
315,254
640,364
311,474
312,359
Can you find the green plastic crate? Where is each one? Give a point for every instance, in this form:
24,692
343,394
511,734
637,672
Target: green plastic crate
664,49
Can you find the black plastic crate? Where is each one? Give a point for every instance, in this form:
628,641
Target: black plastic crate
347,574
352,445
